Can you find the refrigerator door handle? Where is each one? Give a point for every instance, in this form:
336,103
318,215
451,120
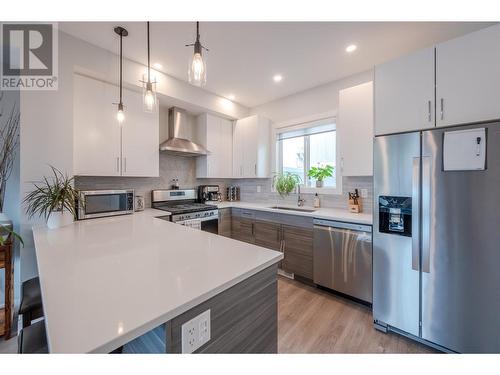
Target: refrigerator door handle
426,213
415,237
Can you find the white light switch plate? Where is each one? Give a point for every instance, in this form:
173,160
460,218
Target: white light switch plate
196,332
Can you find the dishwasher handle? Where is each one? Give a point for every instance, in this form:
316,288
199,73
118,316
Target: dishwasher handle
342,225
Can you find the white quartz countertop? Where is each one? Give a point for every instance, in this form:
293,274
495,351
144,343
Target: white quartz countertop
319,213
107,281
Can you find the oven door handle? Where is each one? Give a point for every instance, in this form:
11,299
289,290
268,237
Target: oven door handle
208,218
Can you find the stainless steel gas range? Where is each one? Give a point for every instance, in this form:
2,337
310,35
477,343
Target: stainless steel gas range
184,209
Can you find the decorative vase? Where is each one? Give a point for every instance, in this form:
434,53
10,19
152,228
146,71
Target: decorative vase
319,183
58,219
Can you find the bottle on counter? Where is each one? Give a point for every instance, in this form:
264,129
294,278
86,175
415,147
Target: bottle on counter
316,201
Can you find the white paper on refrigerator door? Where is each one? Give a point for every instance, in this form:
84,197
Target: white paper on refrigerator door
464,150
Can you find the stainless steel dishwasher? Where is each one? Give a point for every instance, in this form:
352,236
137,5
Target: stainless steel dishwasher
343,257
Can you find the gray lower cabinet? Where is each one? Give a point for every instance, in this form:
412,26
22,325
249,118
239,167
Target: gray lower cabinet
225,222
298,251
291,234
242,229
267,235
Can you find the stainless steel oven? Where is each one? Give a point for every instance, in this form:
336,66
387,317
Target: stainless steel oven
184,209
101,203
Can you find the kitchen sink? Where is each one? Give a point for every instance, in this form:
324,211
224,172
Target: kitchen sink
292,208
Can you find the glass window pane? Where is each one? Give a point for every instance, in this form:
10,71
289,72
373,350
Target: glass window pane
293,156
322,152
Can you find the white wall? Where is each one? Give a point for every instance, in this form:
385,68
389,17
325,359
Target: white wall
47,118
319,100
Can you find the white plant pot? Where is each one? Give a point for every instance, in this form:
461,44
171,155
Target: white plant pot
58,219
319,183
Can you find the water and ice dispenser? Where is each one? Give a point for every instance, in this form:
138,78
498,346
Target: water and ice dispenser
395,215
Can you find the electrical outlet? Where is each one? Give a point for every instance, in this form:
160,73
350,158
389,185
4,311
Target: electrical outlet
196,332
364,193
259,188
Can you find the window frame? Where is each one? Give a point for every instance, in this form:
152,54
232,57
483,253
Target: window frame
337,190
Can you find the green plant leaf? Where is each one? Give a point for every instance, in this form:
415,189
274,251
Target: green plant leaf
285,183
320,173
53,194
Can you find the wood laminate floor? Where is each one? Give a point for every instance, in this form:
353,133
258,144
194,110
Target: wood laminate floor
311,320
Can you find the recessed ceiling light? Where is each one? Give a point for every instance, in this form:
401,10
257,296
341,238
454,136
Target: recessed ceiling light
157,66
231,97
351,48
278,78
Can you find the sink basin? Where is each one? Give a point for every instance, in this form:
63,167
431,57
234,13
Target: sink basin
292,208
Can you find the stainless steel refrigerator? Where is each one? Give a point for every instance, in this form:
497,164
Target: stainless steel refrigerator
436,236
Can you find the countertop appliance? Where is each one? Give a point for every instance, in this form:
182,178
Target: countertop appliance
101,203
436,249
343,258
209,193
184,207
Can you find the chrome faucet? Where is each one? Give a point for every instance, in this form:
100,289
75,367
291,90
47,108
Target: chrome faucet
300,201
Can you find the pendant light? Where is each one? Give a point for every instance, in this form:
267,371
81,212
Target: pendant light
148,87
120,115
197,69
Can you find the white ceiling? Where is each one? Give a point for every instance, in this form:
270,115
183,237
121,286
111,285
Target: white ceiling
244,56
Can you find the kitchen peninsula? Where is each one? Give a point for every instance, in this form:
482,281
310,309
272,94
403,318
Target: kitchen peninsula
107,281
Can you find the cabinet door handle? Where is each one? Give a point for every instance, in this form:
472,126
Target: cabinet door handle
442,108
125,164
241,170
430,113
255,169
253,229
118,164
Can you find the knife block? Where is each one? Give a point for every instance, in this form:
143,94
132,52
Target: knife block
353,207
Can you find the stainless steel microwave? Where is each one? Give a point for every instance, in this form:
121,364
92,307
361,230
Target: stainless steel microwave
101,203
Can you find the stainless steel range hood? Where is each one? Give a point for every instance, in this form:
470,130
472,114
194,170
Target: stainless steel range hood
175,144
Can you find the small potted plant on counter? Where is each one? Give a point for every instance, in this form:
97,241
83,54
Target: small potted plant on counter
285,183
320,173
54,199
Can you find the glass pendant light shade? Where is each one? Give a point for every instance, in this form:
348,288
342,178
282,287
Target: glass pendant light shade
197,70
120,115
197,67
149,101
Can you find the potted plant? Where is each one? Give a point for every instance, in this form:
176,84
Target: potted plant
320,173
54,199
9,140
285,183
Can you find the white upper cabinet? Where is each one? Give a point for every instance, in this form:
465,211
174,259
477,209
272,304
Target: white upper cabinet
216,135
140,139
355,130
252,147
404,93
101,146
96,134
468,78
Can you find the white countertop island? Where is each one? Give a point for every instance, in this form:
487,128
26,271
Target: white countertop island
107,281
